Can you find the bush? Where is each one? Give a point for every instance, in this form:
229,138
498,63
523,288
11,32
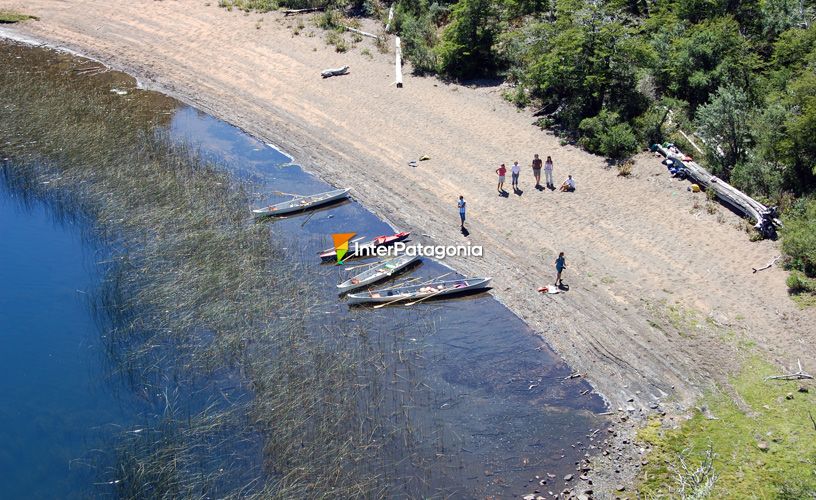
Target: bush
604,134
419,35
799,237
799,283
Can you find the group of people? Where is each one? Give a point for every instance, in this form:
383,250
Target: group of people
515,171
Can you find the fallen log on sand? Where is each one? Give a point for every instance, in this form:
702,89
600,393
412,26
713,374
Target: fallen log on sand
765,218
291,12
360,32
334,72
397,62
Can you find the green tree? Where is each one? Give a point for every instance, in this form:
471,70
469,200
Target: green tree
466,49
725,124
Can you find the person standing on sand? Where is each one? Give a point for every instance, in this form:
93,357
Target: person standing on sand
548,171
515,171
462,204
560,265
537,169
502,171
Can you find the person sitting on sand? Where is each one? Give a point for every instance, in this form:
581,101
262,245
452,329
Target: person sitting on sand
568,185
502,171
537,169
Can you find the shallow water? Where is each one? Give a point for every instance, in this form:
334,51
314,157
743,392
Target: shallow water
486,400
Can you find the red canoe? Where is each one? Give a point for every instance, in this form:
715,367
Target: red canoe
362,248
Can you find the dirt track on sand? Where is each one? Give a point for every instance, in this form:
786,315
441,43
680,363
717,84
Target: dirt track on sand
649,268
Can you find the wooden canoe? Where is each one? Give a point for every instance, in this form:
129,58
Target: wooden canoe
416,292
377,273
301,203
385,240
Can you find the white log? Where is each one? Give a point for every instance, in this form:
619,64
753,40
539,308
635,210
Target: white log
398,61
360,32
390,17
765,217
290,12
334,71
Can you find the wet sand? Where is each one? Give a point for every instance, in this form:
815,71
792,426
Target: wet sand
638,249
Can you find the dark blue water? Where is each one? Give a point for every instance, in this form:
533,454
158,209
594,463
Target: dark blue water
57,404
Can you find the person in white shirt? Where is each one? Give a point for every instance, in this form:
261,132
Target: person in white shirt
548,173
515,174
568,185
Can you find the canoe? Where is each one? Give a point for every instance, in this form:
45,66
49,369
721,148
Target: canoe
301,203
416,292
376,273
331,253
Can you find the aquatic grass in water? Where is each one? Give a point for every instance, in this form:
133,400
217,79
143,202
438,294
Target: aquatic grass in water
204,318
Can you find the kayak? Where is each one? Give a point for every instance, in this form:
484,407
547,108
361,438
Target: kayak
416,292
301,203
361,249
379,272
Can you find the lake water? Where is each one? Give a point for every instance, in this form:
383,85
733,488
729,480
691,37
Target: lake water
487,400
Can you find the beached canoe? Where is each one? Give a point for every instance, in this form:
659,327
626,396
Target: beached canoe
378,272
301,203
363,248
416,292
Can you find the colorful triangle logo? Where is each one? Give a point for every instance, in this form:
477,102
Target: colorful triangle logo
341,244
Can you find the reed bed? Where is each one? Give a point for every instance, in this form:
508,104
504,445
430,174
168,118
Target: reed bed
250,389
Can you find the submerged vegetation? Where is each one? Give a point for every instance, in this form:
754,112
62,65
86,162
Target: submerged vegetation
755,439
251,392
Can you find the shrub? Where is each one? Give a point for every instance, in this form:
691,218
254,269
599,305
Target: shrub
604,134
799,283
799,237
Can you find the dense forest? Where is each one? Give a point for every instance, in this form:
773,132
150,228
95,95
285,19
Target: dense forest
619,75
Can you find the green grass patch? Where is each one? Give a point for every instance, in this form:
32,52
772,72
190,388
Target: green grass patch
8,17
764,447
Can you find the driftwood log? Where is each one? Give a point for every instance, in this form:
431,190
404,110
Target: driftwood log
334,71
360,32
292,12
398,62
766,218
390,17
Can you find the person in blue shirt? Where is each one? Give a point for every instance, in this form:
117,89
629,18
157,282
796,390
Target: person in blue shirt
462,205
560,265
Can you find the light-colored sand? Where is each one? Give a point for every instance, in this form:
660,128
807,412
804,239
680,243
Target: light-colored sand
631,244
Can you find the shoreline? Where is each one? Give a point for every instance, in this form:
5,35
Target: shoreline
603,326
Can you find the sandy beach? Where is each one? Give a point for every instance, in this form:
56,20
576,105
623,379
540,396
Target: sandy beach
649,269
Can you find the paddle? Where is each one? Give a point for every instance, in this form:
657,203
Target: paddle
406,298
362,265
426,297
391,302
412,279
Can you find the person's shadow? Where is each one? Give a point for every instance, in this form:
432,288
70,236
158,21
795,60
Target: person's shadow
465,232
540,187
518,191
504,194
563,287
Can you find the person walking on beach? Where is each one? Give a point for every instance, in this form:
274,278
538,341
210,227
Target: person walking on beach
548,171
462,205
515,171
502,171
537,170
560,265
